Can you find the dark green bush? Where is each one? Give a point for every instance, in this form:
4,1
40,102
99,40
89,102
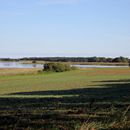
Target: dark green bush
57,67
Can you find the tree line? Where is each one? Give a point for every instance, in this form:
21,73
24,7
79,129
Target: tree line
71,59
78,59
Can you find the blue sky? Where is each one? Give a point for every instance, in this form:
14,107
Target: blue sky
64,28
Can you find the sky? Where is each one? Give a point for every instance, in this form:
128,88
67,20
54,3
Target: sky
40,28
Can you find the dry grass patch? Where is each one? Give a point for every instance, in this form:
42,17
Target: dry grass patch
16,71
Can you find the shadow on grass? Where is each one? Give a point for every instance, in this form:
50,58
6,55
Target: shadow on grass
40,112
111,90
114,81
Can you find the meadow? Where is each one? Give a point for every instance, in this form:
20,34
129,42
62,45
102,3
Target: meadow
92,98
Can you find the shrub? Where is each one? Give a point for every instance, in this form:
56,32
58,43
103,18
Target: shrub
34,62
57,67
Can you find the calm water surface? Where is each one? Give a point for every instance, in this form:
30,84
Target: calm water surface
100,66
21,65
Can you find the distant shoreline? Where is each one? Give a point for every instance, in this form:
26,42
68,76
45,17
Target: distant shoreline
81,63
72,63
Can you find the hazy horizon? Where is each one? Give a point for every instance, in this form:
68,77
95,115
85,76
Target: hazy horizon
70,28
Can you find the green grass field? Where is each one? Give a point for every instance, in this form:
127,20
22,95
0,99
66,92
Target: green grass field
83,78
73,100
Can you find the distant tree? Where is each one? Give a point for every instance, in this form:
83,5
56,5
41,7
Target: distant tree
109,59
102,59
123,59
120,59
92,59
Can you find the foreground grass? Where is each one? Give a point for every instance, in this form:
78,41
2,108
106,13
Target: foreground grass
83,99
